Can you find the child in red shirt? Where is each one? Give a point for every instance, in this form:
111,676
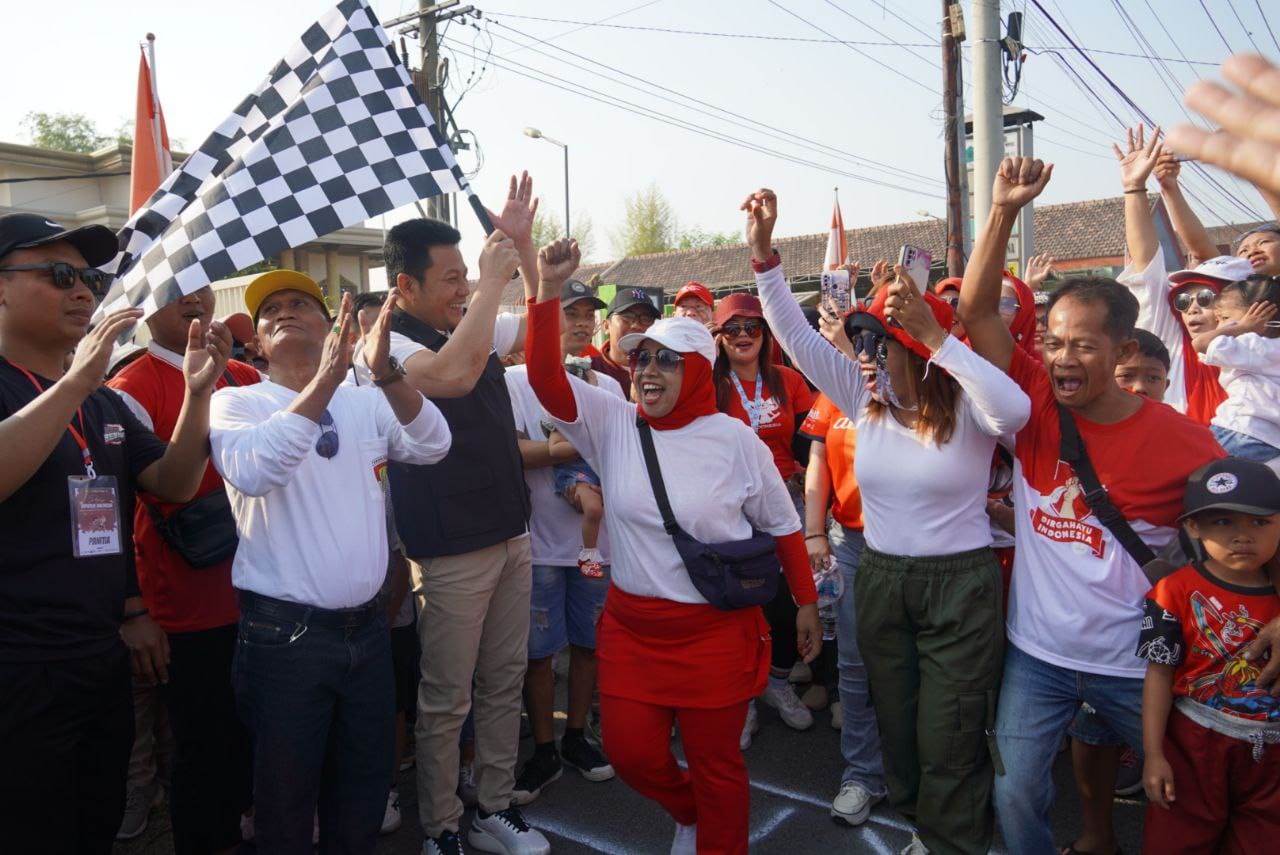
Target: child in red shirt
1212,769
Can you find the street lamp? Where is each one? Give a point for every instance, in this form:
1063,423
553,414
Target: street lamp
535,134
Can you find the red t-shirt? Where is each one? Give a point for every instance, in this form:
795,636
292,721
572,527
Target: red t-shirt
179,598
777,420
1201,624
825,423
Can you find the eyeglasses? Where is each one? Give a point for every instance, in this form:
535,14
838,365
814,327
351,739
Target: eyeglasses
1009,306
643,321
327,442
953,302
65,275
667,359
753,329
1203,297
867,342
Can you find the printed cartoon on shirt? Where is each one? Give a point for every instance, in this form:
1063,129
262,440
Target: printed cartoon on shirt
1064,517
1222,635
770,414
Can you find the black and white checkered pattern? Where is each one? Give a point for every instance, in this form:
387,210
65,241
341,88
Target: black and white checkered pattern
334,136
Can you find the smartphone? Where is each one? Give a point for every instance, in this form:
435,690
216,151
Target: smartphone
835,288
916,263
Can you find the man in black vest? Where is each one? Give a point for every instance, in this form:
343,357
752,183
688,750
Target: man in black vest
464,520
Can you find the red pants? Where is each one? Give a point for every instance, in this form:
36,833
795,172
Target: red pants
715,793
1224,801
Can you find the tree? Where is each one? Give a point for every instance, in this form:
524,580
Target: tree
649,225
547,227
698,238
63,132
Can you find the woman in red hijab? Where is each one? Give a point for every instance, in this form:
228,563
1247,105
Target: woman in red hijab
665,655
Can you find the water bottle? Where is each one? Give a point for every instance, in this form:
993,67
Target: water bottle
830,584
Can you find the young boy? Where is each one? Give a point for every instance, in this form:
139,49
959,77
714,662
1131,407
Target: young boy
578,483
1212,769
1146,373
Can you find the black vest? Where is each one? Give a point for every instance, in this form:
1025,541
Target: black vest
476,496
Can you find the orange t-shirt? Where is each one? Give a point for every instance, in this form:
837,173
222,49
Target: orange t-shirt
777,420
828,425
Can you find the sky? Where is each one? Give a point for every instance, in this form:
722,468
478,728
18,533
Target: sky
823,94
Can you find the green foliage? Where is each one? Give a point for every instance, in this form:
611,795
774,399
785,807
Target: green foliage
649,224
698,238
547,227
74,132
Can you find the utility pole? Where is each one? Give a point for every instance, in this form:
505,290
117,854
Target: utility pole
988,123
952,95
429,83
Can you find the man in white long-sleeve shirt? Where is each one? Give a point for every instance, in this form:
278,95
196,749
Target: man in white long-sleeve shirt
302,457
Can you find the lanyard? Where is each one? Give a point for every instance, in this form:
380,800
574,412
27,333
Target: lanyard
77,435
753,408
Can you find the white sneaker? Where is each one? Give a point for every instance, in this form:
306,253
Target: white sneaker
467,785
686,840
391,819
915,847
837,715
852,805
506,833
750,726
795,714
246,826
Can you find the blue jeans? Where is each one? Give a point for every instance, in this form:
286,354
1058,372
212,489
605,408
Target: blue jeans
1242,445
1038,700
859,734
319,704
564,606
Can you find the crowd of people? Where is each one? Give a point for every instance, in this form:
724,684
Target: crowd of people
1055,512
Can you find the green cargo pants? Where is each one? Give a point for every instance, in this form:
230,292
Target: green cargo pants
931,634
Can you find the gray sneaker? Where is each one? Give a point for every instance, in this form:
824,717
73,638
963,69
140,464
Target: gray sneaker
137,811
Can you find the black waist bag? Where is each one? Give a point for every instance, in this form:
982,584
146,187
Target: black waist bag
735,574
203,532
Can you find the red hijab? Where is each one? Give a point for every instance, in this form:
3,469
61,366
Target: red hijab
697,396
1023,326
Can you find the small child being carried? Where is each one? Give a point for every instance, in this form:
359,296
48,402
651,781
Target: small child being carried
576,482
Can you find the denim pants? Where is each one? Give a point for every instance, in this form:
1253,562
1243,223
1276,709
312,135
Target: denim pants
319,704
859,734
1239,444
1038,700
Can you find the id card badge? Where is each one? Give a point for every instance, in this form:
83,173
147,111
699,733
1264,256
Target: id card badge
95,516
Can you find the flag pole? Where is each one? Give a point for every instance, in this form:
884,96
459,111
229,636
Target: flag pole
155,93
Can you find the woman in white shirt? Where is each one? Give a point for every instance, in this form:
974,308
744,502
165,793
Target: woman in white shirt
927,595
665,655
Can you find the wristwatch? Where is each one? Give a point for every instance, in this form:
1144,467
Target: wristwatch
397,372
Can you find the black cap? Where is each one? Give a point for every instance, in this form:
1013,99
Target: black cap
625,298
1233,484
98,244
574,291
863,321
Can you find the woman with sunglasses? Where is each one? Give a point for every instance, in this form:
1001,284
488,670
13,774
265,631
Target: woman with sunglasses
773,400
928,411
665,655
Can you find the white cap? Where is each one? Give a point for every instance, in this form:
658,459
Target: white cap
683,335
1223,268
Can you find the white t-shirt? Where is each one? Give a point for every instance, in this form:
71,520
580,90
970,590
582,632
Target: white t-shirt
918,498
313,530
555,528
720,479
1251,376
506,328
1156,316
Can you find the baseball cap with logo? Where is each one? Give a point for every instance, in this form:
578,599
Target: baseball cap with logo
625,298
574,291
1233,484
683,335
1222,268
98,244
695,289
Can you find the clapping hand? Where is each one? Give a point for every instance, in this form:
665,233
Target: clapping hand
516,219
335,358
206,356
377,344
93,353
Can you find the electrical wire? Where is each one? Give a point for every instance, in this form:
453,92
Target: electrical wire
929,62
1216,29
582,25
1248,35
1267,24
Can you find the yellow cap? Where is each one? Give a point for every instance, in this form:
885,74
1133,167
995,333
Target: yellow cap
266,284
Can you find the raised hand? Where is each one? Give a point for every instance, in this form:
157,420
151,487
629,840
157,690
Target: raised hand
1039,268
558,260
762,215
1248,141
831,325
206,356
1018,181
377,344
1168,167
1137,162
516,219
499,259
881,275
93,354
335,359
909,308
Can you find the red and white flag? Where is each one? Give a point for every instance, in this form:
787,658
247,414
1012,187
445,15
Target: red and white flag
837,246
151,161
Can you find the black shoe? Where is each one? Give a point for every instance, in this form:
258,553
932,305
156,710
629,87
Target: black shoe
543,768
580,754
448,843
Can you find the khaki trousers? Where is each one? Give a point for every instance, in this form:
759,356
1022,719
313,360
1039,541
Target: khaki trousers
473,619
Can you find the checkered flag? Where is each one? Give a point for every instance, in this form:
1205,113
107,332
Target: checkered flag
334,136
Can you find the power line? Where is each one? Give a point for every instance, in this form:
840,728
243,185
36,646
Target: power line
931,63
1248,35
1209,15
746,122
884,7
1267,24
582,25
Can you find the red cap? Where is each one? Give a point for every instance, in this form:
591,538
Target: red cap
948,284
241,327
742,303
942,313
695,289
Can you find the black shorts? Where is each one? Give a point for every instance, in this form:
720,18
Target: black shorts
405,652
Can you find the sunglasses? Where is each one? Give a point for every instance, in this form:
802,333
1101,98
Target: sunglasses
1203,297
65,275
327,442
867,342
1009,306
668,360
753,329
